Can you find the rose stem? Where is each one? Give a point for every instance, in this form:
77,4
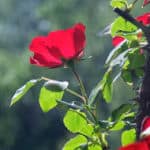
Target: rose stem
82,88
75,94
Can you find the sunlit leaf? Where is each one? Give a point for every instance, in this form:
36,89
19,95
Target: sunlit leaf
94,147
128,136
118,126
48,99
23,90
50,93
105,85
121,25
76,122
119,3
75,142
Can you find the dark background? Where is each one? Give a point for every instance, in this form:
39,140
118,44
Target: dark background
24,126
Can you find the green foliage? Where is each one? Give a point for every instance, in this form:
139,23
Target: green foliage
75,142
121,112
105,86
48,99
117,126
94,147
54,85
120,26
128,136
123,46
135,60
133,66
50,94
23,90
76,122
119,3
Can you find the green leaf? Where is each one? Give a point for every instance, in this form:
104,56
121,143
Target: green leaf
23,90
139,72
116,51
94,147
136,60
95,91
119,3
120,112
118,126
48,98
134,43
76,122
120,59
105,85
127,76
122,25
75,142
133,66
54,85
128,136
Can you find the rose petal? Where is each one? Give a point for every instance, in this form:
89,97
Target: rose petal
117,40
39,60
145,123
136,146
79,39
70,42
42,55
147,139
145,18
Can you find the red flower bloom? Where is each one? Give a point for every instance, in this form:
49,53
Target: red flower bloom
144,19
117,40
146,2
144,143
59,46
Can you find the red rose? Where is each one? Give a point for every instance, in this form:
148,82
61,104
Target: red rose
117,40
59,46
146,2
144,19
144,143
141,145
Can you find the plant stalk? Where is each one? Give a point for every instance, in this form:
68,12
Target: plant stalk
82,88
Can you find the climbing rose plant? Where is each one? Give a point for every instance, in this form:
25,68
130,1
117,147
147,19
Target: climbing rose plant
65,48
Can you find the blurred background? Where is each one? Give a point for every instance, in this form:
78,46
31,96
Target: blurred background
24,126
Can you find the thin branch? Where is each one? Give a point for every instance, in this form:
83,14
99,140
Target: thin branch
75,94
82,88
